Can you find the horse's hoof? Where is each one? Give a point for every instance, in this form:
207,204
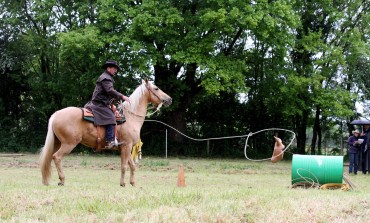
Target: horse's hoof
133,184
60,184
122,185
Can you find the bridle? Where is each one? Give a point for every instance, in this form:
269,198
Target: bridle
150,91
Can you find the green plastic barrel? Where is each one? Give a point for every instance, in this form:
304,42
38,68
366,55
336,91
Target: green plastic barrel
318,169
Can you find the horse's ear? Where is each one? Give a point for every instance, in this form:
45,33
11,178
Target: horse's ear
144,81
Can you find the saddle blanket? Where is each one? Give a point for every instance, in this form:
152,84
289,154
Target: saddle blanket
89,116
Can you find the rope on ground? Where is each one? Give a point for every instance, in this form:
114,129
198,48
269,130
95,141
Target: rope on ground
334,186
313,183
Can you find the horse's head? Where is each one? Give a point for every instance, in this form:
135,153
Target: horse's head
156,95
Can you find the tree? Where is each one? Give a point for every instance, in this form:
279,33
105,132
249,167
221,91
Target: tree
287,64
196,47
320,60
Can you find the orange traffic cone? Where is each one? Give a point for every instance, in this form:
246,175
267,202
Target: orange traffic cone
181,177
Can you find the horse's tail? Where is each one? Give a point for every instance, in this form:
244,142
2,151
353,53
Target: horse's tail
47,151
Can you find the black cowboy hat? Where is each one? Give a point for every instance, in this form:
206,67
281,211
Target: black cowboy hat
111,63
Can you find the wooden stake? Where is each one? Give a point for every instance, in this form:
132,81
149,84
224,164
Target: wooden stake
181,177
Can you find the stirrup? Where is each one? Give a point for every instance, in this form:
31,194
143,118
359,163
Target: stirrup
110,145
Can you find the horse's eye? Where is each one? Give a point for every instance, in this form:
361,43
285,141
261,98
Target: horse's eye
156,89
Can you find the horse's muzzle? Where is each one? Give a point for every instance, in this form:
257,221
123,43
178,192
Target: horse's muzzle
167,102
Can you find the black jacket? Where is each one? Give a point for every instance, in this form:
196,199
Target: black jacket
103,93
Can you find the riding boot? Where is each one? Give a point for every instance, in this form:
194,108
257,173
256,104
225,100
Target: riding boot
110,143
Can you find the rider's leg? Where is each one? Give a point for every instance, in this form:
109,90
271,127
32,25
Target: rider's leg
109,136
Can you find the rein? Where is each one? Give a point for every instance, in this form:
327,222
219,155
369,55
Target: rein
141,116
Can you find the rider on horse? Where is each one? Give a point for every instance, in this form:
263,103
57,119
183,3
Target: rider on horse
100,103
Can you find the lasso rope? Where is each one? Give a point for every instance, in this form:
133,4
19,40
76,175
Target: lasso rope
306,182
231,137
270,129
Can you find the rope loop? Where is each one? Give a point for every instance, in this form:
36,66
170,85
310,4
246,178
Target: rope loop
263,130
230,137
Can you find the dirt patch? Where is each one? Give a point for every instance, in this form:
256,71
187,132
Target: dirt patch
19,164
11,155
17,161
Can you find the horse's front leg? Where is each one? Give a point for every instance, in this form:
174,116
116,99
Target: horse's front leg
125,157
131,163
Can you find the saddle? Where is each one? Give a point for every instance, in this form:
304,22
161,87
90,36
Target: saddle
89,116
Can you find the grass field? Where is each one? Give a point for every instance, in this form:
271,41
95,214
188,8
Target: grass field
216,191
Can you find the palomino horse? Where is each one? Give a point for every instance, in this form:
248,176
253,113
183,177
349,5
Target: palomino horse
66,129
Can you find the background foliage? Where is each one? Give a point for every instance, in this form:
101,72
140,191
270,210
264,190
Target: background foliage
232,67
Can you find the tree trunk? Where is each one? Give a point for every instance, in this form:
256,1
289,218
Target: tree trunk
316,131
176,119
319,141
301,125
166,78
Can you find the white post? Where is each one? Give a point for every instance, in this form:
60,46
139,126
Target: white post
166,143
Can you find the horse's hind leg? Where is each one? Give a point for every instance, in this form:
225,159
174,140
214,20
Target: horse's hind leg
58,156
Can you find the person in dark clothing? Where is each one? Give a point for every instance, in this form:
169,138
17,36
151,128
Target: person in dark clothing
365,147
100,103
354,147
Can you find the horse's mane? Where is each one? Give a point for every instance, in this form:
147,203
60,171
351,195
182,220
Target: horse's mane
136,96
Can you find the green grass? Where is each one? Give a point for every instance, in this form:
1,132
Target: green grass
216,191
